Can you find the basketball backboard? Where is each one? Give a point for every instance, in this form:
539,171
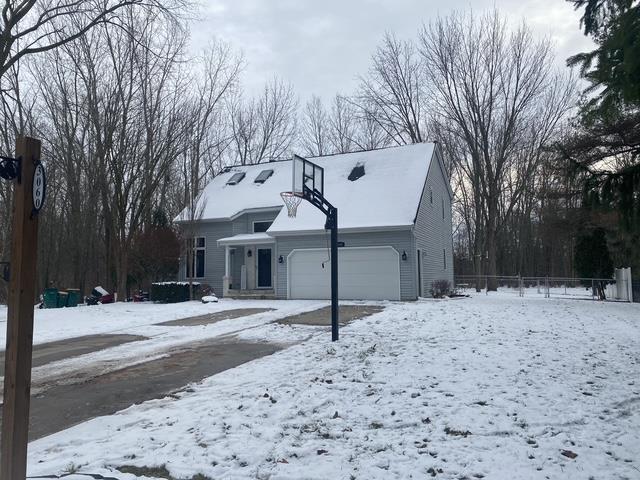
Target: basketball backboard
307,174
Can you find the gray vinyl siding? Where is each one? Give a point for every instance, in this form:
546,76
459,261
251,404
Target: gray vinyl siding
244,223
236,259
400,240
214,255
433,234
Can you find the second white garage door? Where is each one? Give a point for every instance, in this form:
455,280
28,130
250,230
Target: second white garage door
366,273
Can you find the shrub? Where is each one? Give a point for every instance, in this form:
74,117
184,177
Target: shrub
173,292
440,288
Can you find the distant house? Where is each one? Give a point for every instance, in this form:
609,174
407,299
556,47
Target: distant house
394,219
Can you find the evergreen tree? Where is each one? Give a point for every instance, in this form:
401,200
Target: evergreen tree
613,68
604,148
592,258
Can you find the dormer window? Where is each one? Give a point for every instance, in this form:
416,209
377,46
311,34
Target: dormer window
356,173
260,227
263,176
236,178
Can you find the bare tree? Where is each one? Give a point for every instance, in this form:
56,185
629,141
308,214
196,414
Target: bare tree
207,140
369,132
31,26
263,128
314,130
343,125
496,93
17,103
393,92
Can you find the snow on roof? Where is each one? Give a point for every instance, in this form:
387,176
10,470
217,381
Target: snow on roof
386,196
247,239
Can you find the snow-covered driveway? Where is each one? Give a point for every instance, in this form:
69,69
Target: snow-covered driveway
487,387
62,323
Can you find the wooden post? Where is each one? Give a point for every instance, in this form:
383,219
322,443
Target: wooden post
22,291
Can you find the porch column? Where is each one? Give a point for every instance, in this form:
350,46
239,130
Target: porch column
226,280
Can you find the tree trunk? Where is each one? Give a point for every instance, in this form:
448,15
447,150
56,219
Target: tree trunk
492,281
122,275
491,243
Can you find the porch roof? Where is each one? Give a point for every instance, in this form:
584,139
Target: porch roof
247,239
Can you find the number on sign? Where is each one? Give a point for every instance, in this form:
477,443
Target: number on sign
39,187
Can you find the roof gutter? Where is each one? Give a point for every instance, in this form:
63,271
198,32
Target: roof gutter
282,233
231,218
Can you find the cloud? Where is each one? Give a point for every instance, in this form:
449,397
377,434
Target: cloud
322,46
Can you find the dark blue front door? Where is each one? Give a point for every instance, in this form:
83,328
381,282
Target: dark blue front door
264,268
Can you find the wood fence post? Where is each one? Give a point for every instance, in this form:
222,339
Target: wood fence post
22,293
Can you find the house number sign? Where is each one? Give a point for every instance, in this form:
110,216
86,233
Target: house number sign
39,187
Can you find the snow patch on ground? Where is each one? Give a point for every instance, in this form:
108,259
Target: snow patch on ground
61,323
488,387
140,319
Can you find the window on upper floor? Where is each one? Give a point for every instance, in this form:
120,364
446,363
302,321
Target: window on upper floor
236,178
263,176
260,227
356,173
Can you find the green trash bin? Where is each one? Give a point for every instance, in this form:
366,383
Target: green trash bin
50,298
74,297
62,299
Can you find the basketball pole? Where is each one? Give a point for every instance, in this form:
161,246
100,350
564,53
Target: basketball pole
332,222
314,194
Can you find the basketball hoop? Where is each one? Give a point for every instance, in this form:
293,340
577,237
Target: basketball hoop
291,200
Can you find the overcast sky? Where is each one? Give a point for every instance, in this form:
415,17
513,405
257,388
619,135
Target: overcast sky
322,46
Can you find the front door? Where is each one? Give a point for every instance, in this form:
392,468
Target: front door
264,268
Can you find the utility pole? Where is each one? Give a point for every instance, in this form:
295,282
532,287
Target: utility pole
29,194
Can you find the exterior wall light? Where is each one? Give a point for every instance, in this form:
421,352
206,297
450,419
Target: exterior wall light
280,259
249,253
404,255
10,168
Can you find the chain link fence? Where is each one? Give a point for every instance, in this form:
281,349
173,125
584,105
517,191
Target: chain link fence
551,287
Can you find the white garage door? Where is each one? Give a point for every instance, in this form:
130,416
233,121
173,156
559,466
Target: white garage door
368,273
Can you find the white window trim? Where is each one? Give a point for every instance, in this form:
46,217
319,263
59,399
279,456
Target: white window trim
253,225
194,251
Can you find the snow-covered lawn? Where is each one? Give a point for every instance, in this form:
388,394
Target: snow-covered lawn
488,387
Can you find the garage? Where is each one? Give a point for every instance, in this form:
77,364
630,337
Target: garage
364,273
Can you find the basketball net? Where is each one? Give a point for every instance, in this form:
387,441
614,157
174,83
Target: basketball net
291,201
